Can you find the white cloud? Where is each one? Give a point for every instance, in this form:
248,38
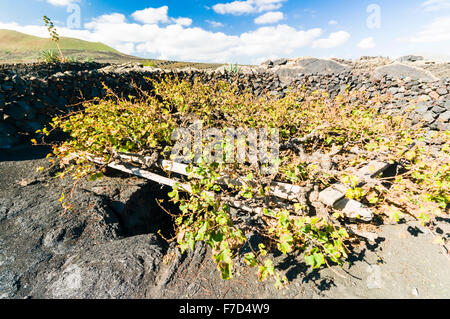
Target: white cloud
127,47
267,5
334,40
269,17
235,7
435,5
178,41
367,43
114,18
280,40
183,21
436,31
215,24
159,15
38,31
248,6
332,22
41,31
202,45
62,2
152,15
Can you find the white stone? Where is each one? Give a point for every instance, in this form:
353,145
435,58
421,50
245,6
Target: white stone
354,209
330,196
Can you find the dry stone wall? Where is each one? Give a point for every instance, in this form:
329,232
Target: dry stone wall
30,95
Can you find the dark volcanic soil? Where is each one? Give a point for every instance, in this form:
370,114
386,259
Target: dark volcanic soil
109,248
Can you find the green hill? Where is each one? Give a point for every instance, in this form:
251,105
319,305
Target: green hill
16,47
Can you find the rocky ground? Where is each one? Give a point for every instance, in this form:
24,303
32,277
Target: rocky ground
109,247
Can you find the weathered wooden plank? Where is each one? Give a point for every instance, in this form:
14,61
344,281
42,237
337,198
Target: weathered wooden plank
334,196
282,190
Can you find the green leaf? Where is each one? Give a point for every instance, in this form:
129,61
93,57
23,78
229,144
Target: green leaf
250,260
315,260
226,271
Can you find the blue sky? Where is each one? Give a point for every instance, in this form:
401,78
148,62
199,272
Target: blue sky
244,31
